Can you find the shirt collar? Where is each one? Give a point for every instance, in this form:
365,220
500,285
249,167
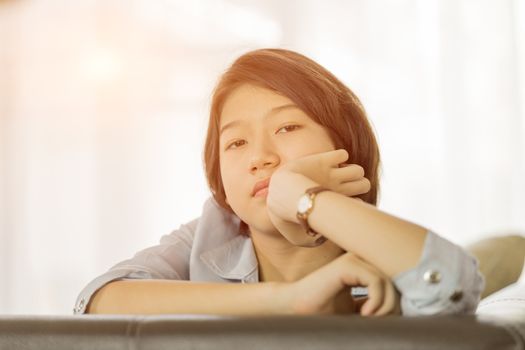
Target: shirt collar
233,257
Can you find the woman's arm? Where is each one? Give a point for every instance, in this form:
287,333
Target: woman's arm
323,291
432,274
390,243
184,297
387,242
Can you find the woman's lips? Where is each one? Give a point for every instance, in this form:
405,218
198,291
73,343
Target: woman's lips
260,186
262,192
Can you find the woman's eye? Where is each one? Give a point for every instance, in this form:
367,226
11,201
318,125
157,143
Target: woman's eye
236,144
239,143
288,128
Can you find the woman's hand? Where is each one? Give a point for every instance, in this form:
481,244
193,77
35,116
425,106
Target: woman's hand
330,170
327,169
320,291
290,181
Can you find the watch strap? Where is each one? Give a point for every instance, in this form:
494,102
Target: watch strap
303,217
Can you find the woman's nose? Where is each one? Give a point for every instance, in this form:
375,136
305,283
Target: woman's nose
260,165
264,158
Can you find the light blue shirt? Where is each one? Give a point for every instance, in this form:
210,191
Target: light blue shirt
209,249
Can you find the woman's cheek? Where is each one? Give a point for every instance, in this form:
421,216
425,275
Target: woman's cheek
295,144
231,178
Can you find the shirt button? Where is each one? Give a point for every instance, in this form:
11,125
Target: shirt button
80,304
432,276
456,296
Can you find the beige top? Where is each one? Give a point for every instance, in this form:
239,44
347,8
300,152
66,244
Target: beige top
209,248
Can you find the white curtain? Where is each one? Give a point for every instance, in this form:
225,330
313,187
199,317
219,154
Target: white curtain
103,110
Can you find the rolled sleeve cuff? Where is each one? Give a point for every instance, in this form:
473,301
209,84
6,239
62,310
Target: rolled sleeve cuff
113,275
445,281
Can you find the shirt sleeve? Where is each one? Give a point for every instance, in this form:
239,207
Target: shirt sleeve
445,281
167,260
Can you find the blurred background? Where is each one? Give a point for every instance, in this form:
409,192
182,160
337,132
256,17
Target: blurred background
104,106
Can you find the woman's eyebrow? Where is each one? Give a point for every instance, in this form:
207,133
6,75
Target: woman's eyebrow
273,111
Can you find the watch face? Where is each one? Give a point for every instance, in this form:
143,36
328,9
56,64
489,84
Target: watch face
304,204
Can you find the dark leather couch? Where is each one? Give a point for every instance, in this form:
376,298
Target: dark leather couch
316,332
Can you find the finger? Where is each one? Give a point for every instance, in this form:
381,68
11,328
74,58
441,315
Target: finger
360,300
355,271
389,301
350,172
375,297
359,273
355,188
337,157
376,281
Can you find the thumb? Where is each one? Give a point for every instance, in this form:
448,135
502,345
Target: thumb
337,158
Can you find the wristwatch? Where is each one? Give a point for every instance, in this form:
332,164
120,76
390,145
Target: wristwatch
305,207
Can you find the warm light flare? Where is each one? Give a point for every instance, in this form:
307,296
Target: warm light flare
102,65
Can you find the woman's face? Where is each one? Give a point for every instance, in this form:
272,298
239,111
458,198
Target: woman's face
260,131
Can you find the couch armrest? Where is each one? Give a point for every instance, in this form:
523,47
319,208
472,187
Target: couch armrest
286,332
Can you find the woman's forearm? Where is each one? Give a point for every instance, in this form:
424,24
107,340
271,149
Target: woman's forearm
390,243
184,297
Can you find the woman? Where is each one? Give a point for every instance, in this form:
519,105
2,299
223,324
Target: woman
292,163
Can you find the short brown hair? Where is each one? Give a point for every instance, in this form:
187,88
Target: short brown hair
316,91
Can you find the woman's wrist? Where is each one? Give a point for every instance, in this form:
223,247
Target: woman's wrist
285,301
293,299
292,187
